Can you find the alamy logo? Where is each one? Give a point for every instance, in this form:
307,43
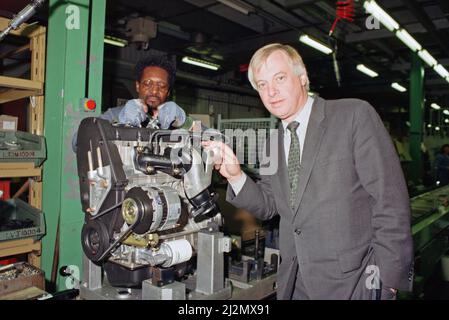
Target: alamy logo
373,280
73,277
72,22
372,23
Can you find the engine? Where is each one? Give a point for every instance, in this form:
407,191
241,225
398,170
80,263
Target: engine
146,194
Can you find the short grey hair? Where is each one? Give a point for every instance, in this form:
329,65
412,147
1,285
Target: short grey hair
261,55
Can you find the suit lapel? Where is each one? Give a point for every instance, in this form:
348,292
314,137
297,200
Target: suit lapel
314,136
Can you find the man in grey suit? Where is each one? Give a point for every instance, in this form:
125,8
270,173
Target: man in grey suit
339,189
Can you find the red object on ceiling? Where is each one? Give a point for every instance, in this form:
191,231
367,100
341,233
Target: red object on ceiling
345,11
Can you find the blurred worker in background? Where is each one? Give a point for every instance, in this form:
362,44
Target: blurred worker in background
442,165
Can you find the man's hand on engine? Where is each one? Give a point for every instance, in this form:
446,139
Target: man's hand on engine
133,113
171,115
225,161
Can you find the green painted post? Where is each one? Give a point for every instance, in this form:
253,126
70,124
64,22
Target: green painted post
68,40
416,117
97,51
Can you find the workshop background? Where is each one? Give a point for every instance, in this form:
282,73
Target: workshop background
73,59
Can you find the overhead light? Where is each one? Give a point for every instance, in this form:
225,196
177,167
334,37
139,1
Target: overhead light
407,123
427,58
238,5
446,120
398,87
367,71
437,128
441,71
200,63
429,126
115,41
315,44
217,56
373,8
408,40
435,106
446,112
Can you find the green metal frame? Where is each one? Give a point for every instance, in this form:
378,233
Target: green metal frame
70,76
430,231
416,117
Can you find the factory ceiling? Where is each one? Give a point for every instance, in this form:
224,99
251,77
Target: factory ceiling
220,33
227,32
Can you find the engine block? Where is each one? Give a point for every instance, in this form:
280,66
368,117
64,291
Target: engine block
146,193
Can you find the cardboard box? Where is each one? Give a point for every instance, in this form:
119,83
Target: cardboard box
8,123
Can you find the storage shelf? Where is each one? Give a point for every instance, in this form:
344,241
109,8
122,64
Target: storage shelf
22,246
19,88
25,30
19,170
21,84
12,89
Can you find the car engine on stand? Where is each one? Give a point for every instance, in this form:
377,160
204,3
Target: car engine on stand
151,218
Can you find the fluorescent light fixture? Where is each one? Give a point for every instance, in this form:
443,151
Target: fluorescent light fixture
446,120
447,79
441,71
367,71
408,40
200,63
435,106
238,5
427,58
315,44
398,87
446,112
373,8
115,41
437,128
429,126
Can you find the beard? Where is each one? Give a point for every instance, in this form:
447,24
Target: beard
153,101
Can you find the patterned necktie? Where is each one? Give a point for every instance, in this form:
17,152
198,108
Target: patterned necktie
293,161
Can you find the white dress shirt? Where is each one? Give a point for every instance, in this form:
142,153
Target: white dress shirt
302,117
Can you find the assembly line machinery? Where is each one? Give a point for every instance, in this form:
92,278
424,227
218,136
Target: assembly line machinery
152,224
430,231
153,227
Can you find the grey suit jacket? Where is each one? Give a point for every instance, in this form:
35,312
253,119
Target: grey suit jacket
352,218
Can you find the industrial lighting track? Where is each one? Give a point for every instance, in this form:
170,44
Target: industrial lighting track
374,9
